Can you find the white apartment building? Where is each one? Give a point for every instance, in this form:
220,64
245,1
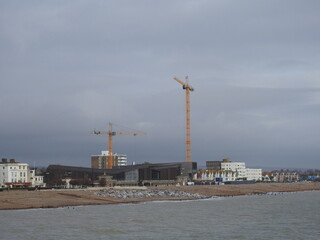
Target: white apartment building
239,167
243,173
13,173
254,174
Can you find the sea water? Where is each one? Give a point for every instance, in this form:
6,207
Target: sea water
269,216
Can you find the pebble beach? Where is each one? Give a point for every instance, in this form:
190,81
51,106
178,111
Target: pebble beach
23,199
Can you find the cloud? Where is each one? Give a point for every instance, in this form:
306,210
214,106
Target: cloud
67,68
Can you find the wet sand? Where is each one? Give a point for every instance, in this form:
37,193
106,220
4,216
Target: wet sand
22,199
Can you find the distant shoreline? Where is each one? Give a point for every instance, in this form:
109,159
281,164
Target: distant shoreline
15,199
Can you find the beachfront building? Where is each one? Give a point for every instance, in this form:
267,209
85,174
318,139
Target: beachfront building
243,173
101,161
216,176
215,165
36,179
239,167
146,174
254,174
267,177
14,174
285,176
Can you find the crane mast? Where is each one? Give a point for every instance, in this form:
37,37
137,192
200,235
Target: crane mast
188,88
110,134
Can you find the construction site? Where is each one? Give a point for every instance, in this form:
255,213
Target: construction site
111,169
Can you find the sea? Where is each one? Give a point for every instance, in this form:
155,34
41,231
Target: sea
258,217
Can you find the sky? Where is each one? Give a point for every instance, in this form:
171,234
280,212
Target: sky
70,67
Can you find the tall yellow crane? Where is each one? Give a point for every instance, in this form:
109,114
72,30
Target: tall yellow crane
110,134
188,88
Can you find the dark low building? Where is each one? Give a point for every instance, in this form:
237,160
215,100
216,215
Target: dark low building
214,165
56,173
142,174
166,171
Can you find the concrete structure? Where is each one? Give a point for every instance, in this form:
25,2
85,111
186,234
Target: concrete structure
101,161
14,174
106,181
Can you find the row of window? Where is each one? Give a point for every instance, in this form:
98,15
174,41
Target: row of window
15,174
18,181
20,167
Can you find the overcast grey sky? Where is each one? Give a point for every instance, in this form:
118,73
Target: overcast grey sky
69,67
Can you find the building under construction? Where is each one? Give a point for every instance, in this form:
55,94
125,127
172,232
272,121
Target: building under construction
101,161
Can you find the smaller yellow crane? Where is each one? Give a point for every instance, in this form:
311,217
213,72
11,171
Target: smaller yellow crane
110,134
